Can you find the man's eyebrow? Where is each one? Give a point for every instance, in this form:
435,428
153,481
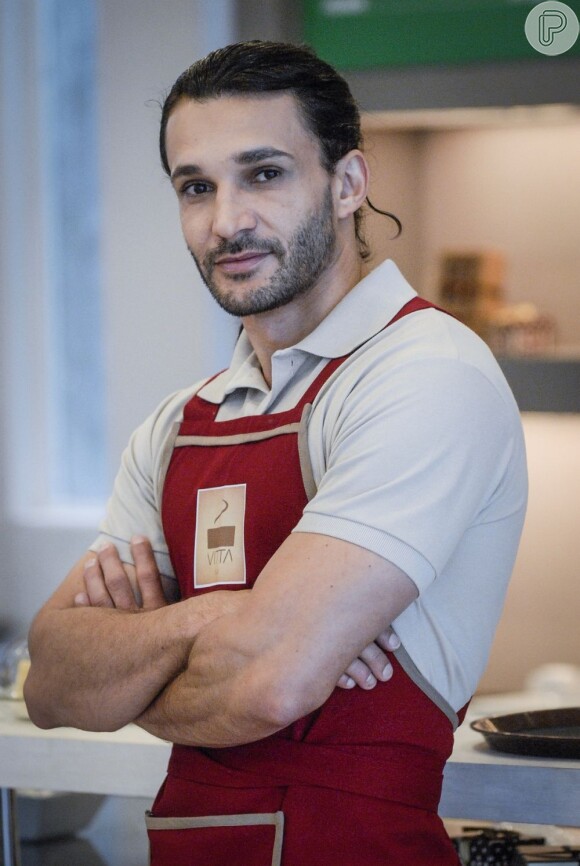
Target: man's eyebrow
258,154
185,171
245,157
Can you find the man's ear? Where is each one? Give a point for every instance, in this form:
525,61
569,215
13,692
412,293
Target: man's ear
352,180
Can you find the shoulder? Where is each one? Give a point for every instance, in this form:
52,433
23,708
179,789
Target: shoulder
421,396
148,440
427,356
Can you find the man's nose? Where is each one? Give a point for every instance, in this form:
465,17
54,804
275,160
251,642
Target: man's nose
232,214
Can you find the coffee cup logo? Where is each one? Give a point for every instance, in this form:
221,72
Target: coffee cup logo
221,536
219,556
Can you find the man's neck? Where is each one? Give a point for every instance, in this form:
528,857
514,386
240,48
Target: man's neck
287,325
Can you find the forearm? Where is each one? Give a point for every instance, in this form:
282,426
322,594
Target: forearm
280,657
227,698
98,669
219,700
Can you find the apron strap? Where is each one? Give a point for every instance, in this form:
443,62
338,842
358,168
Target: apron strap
411,306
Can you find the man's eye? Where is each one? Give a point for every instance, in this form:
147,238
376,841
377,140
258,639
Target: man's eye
266,174
195,188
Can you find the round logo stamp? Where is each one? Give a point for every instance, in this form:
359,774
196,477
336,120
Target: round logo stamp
552,28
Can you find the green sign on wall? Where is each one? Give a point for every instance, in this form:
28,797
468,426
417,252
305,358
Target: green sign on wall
369,34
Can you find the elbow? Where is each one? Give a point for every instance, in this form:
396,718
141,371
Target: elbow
278,708
41,720
281,703
38,709
49,710
42,704
47,717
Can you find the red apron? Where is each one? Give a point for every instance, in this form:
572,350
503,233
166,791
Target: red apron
356,783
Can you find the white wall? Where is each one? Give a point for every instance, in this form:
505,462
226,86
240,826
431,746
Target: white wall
396,186
540,619
510,189
162,331
514,190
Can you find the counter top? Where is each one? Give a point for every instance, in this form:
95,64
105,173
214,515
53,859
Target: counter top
129,762
484,785
479,783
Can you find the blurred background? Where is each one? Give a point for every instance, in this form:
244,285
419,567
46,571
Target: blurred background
103,313
473,138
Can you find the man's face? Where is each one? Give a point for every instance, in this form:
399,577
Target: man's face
256,205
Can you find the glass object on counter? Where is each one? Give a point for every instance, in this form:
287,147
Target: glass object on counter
471,287
14,666
521,329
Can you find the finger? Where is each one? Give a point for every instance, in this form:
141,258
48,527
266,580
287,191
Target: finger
377,662
388,640
81,599
116,579
345,682
361,674
147,573
95,586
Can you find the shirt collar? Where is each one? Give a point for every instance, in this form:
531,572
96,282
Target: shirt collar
361,314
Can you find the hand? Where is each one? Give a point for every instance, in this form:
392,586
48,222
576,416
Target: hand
111,583
372,665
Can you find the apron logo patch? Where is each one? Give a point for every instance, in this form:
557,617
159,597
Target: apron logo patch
219,555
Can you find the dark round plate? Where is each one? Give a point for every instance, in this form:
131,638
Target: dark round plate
539,733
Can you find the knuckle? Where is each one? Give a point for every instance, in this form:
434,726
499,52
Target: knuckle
116,581
94,582
106,553
141,548
92,574
101,601
373,653
148,575
356,669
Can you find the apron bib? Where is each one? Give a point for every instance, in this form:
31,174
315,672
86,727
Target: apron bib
356,782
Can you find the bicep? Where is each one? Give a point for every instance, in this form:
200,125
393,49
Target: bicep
318,602
410,467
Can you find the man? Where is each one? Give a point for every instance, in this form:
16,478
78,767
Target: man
360,464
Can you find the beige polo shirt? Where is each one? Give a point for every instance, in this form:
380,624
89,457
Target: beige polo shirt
417,453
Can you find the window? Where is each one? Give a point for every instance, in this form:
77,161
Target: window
51,279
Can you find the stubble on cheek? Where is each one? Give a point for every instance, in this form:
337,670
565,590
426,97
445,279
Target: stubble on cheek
310,249
207,268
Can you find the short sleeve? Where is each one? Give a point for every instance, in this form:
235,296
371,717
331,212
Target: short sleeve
413,459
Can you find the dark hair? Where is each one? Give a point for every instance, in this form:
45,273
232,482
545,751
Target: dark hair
323,96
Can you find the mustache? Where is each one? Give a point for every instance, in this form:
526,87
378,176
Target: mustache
243,244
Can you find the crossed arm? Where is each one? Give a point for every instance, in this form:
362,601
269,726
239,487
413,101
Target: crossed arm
223,668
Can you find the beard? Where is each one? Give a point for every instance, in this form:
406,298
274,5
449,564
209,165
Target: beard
310,251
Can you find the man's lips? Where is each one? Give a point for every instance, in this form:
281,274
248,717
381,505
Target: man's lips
243,262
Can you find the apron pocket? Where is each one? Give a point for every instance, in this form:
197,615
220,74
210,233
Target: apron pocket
216,840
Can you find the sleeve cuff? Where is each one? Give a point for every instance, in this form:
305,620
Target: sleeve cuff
387,546
124,547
